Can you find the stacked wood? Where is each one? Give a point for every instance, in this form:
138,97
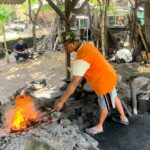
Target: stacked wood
139,35
50,41
96,32
147,24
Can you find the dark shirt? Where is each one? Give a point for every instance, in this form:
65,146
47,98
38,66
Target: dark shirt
21,47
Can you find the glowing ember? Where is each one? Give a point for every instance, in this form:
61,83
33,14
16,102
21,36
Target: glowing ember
21,116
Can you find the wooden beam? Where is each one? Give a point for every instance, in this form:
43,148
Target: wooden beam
12,2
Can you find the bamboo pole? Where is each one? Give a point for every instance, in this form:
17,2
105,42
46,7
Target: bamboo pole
143,38
5,46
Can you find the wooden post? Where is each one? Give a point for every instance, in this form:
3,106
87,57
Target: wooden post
68,75
147,23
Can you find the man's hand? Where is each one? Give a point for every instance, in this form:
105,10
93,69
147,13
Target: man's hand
20,52
58,105
69,91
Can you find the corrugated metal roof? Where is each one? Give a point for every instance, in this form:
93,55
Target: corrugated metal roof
12,2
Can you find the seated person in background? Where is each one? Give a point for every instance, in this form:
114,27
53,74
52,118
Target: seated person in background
21,50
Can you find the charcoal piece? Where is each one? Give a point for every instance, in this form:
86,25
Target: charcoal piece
38,82
64,87
67,81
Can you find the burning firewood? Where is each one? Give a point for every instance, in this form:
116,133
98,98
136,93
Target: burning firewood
24,115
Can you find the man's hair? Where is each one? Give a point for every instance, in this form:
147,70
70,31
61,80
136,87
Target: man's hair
69,37
20,39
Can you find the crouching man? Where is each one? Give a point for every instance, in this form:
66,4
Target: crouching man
21,50
99,74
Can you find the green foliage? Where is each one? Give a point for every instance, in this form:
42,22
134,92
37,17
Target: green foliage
24,7
5,7
96,10
95,2
4,17
111,6
33,2
46,7
62,8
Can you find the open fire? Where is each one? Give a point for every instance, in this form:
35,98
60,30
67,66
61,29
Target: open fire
23,115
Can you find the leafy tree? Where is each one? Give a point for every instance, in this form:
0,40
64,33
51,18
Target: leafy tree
104,4
64,8
4,17
33,15
104,7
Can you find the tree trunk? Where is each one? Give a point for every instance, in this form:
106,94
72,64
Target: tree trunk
103,27
134,34
68,74
5,46
34,36
147,23
69,7
33,20
137,50
29,10
106,35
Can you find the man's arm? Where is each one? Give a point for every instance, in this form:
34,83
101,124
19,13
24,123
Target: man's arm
79,69
18,52
16,49
69,91
26,46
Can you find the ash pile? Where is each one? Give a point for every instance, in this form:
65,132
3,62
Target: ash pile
56,136
65,130
55,132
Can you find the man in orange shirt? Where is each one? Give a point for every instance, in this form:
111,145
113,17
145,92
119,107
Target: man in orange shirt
99,74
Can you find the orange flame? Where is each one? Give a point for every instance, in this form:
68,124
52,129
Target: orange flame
19,117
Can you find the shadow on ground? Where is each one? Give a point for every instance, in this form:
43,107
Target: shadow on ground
136,136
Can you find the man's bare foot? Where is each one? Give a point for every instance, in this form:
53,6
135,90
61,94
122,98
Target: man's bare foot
94,130
99,127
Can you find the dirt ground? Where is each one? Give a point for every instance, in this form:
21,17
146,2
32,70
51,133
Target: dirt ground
51,67
14,76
